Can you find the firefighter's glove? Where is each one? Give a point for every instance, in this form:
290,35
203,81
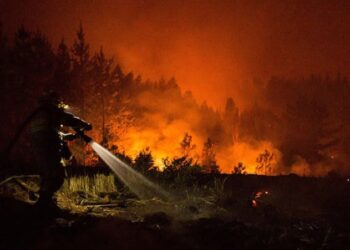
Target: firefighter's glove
88,127
69,137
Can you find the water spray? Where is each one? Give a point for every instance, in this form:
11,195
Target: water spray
135,181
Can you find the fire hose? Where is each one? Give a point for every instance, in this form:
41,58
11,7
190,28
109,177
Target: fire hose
80,133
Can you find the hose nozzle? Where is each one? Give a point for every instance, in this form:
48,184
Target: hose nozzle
84,137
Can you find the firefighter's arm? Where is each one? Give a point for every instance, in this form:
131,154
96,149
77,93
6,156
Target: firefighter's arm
75,122
67,136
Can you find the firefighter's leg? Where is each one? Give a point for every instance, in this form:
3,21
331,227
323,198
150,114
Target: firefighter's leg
51,182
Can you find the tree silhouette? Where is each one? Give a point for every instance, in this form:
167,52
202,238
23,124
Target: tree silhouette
186,145
62,74
264,162
240,169
231,119
144,162
209,158
81,68
103,83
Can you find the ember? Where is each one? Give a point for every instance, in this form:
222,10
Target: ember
259,198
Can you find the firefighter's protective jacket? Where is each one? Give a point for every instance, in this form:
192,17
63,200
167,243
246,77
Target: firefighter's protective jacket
47,140
49,119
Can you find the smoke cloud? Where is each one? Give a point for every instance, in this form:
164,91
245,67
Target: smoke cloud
212,48
215,51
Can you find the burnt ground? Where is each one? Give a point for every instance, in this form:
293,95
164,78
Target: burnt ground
229,212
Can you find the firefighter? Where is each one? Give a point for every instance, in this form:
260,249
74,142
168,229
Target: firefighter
48,144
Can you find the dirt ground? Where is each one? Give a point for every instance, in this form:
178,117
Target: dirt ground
236,212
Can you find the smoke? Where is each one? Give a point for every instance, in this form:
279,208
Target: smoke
305,119
163,114
211,47
247,154
293,126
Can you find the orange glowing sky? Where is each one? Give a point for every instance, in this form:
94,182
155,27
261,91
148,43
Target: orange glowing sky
211,47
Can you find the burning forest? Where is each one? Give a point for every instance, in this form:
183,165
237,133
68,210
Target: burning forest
168,131
292,125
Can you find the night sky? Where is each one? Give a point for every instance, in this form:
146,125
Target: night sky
211,47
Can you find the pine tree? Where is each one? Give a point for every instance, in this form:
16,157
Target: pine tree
81,82
209,158
231,119
81,68
80,50
186,145
103,82
144,162
63,74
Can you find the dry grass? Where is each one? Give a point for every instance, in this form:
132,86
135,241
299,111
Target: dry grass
93,185
81,190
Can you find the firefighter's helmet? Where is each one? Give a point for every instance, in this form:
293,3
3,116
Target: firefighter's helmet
50,98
